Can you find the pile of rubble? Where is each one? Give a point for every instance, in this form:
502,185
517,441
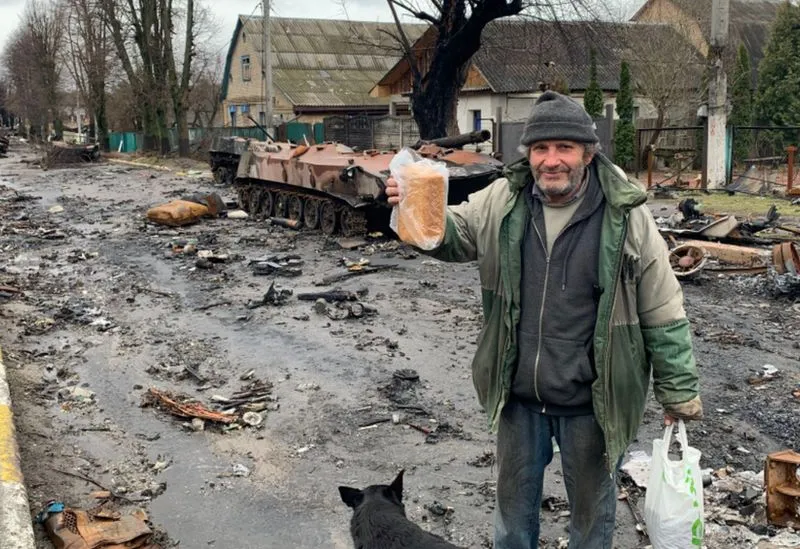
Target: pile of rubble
740,510
724,245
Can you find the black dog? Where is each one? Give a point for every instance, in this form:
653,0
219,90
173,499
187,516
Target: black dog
379,519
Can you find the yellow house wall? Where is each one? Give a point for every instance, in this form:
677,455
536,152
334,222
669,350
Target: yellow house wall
248,92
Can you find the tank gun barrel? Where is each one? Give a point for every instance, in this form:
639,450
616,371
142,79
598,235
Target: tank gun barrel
458,141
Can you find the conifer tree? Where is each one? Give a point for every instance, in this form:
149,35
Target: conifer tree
593,98
625,132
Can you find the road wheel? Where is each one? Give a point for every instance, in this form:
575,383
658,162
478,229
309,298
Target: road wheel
311,213
328,217
281,203
265,205
295,207
220,175
353,222
243,198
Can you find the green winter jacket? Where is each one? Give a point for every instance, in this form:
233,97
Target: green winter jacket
641,325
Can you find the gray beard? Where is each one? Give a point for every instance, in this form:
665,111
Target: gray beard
575,179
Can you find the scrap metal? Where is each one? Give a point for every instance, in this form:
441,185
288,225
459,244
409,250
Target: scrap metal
783,488
786,259
687,260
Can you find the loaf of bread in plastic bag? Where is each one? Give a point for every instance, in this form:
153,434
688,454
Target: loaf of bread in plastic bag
423,206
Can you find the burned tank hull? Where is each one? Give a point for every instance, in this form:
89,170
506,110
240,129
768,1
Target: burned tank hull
224,156
336,189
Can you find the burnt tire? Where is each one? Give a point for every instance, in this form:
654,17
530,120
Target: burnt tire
243,199
281,203
311,215
294,207
328,217
221,175
266,204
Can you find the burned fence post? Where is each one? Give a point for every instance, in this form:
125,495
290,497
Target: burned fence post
790,191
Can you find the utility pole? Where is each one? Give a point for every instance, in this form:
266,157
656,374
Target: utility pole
716,138
266,65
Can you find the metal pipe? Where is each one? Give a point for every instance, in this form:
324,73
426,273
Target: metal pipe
650,158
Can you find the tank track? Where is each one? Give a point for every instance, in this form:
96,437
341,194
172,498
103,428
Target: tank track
331,215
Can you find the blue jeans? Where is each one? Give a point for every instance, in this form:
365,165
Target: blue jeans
524,449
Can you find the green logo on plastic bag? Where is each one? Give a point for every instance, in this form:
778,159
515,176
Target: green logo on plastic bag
697,533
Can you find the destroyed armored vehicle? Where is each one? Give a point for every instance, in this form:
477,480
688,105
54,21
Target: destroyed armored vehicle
333,187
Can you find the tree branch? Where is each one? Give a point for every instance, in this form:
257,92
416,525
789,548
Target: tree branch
409,54
419,14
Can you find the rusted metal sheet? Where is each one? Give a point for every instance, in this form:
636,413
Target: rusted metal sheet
720,228
782,480
785,258
735,255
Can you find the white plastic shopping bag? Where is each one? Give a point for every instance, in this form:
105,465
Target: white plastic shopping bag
673,505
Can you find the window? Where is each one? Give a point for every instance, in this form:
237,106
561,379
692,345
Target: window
246,68
476,120
232,112
244,109
262,118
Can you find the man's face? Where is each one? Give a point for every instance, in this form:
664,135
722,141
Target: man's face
558,166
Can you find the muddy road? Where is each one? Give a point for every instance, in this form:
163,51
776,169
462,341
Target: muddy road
114,306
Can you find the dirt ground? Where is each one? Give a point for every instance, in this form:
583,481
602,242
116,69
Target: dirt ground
114,306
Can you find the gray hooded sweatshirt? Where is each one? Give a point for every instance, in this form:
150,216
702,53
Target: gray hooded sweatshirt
559,297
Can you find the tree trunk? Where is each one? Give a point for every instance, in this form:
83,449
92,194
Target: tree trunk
101,123
163,130
436,102
149,127
183,131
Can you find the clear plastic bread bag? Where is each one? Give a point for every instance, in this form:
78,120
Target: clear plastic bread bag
420,217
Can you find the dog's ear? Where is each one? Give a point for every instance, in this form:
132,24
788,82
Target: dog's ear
351,496
397,485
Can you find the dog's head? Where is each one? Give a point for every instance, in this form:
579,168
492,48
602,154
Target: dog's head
392,493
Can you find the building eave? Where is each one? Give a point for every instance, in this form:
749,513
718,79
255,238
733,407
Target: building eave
229,57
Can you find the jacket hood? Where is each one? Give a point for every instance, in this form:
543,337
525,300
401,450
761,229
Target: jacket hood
619,191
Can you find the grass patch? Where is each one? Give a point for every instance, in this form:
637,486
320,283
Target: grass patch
741,205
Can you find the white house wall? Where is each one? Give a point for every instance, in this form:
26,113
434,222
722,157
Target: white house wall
517,107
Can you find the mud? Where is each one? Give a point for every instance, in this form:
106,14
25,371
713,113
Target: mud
114,305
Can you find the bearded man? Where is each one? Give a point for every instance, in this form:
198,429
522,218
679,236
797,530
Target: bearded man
580,308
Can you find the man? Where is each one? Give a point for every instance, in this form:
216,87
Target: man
580,305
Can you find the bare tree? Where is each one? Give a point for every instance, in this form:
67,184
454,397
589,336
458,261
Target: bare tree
205,91
137,32
143,35
31,59
45,23
438,72
667,70
179,87
5,106
88,57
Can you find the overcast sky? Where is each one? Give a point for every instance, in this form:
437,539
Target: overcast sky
226,12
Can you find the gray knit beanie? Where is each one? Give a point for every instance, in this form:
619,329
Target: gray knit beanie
556,116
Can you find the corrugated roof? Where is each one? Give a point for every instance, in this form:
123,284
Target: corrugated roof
327,87
515,56
353,54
